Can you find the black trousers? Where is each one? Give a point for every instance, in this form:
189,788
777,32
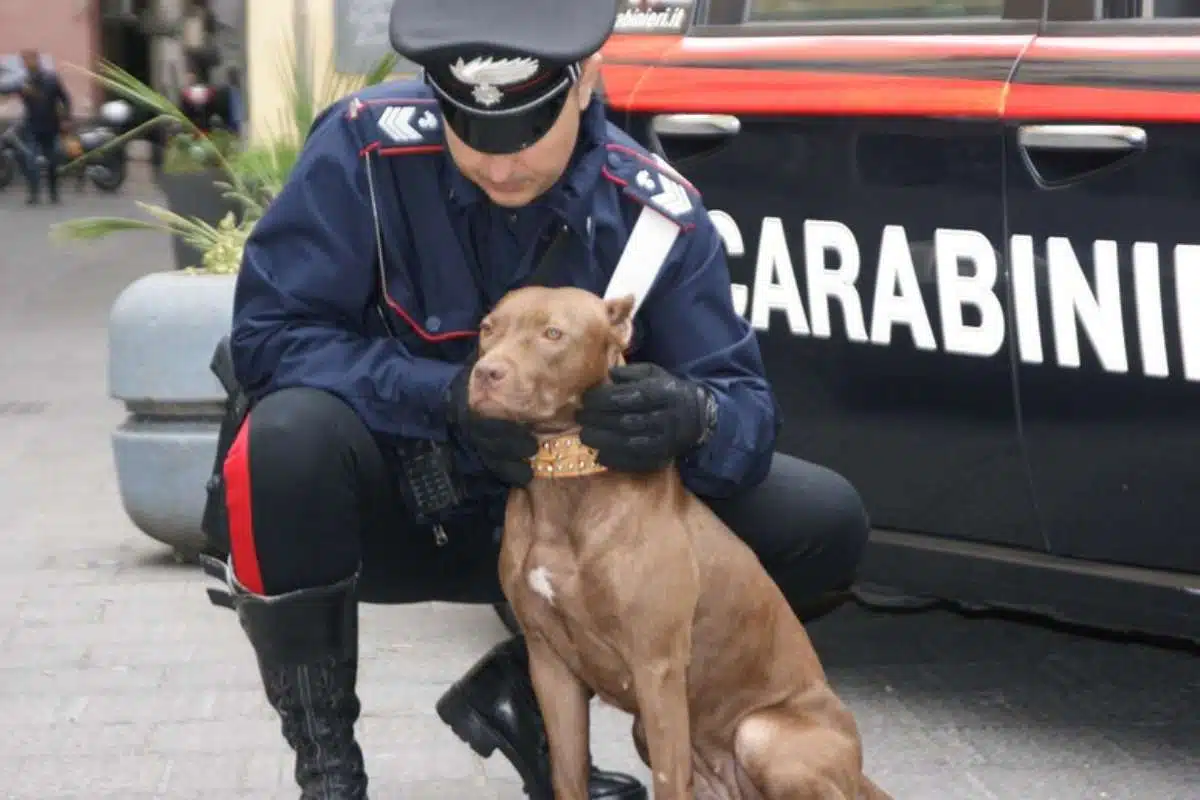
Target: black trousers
312,497
44,144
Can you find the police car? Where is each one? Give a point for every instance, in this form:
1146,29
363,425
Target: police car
968,232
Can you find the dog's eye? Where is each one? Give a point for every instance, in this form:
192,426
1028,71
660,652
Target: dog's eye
553,334
485,328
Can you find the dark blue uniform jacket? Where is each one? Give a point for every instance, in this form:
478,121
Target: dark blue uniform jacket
307,306
46,103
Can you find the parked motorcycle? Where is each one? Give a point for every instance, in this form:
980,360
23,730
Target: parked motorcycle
107,168
10,156
86,150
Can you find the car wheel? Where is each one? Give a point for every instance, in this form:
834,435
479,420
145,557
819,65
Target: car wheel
108,176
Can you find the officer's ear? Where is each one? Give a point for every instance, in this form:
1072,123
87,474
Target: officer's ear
589,79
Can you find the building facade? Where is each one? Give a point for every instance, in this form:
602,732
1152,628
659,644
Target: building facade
162,41
158,41
68,31
339,36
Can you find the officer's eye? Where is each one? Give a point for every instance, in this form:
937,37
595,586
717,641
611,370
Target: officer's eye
553,334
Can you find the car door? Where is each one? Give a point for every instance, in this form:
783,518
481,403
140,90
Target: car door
643,32
1103,165
850,152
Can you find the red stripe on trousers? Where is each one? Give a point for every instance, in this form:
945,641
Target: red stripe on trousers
242,551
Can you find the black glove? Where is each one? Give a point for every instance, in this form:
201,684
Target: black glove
504,447
645,418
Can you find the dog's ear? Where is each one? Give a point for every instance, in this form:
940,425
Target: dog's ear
620,318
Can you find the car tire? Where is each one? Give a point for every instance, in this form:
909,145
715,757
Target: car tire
110,175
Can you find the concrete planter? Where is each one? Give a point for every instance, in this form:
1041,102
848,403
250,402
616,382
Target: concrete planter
162,331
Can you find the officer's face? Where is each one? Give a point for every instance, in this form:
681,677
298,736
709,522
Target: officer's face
520,178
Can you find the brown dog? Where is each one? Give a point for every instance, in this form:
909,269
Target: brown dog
630,586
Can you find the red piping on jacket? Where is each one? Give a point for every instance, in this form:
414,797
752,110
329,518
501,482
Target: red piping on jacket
651,163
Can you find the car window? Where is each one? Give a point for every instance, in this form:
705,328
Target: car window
1124,10
1145,9
806,10
1172,8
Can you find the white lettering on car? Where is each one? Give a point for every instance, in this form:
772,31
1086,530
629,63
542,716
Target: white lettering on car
964,273
898,293
820,239
1073,305
1147,294
775,287
1023,275
977,288
1187,292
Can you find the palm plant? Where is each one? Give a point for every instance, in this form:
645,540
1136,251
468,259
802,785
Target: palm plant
264,168
251,177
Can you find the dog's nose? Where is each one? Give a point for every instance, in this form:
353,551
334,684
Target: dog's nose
490,374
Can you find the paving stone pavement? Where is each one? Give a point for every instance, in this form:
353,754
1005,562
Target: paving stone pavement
118,680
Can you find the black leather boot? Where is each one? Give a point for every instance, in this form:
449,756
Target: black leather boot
307,648
493,706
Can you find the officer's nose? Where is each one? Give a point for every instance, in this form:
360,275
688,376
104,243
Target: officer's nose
499,169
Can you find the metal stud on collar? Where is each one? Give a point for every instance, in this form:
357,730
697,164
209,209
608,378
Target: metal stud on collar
565,457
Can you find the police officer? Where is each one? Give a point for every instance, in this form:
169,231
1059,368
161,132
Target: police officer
359,475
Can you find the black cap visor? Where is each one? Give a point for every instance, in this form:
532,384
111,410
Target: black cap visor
506,132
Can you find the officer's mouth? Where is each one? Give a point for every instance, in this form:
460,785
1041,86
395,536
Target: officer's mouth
508,187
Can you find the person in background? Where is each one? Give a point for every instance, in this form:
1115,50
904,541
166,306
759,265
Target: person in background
196,100
47,112
230,103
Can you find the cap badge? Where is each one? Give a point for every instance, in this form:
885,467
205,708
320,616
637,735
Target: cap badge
487,75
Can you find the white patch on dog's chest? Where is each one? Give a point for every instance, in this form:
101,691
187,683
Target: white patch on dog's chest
539,581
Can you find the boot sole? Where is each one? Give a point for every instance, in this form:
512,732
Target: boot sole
471,727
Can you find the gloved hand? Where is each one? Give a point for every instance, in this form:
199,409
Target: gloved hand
504,447
645,418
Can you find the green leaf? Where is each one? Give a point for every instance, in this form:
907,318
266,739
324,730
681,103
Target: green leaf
124,84
251,176
90,228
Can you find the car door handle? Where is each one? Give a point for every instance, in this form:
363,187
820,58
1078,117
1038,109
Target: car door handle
1109,138
696,125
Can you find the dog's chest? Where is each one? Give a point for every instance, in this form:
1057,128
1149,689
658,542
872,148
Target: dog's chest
566,605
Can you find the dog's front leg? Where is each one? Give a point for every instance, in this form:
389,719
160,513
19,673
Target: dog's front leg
563,700
660,685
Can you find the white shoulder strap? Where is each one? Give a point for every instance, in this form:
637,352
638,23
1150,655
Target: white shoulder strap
649,243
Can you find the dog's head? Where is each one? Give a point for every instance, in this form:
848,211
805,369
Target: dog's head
541,348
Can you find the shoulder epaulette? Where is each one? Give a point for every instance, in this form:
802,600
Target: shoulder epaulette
650,181
398,125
